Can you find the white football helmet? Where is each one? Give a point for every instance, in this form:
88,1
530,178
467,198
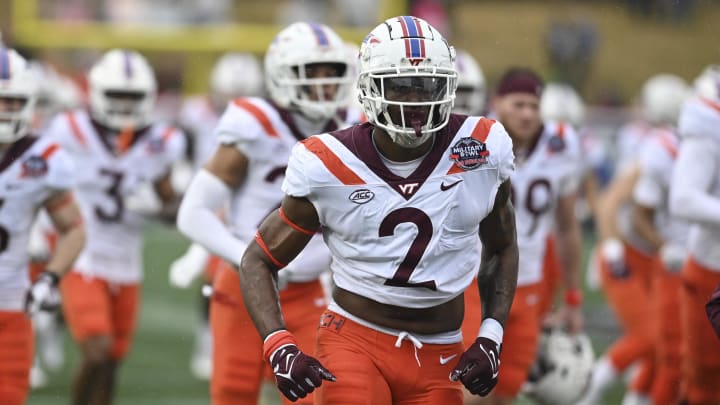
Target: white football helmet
662,98
406,63
235,75
707,85
562,370
286,61
471,92
123,90
55,92
18,85
560,102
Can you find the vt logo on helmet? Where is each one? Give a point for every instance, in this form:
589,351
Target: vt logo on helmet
407,79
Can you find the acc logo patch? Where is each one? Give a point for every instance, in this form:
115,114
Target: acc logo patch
156,145
34,166
361,196
469,153
556,144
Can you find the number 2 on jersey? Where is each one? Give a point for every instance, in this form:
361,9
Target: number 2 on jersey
415,216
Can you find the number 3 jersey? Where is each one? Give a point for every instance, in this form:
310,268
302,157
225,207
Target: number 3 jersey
413,241
266,134
113,248
31,171
550,171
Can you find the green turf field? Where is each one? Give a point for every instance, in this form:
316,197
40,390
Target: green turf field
157,369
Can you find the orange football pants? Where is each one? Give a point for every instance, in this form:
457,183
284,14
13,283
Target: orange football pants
238,364
96,307
371,370
700,345
630,297
520,336
16,357
552,274
666,301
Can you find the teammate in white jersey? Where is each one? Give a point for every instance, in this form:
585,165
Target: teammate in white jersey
668,236
34,173
626,258
400,201
695,196
117,150
234,75
307,74
544,189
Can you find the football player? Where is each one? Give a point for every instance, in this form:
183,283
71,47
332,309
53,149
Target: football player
625,257
34,173
695,196
307,76
471,92
400,201
118,150
544,189
234,75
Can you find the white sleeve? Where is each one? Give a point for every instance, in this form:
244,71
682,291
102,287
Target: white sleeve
240,128
695,169
197,217
649,190
296,183
574,167
61,175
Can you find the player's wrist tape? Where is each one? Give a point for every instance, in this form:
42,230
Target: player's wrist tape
275,341
573,297
51,276
491,329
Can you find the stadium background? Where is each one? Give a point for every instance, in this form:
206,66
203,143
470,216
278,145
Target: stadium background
630,41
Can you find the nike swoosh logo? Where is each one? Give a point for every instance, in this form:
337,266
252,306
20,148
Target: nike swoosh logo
444,360
443,187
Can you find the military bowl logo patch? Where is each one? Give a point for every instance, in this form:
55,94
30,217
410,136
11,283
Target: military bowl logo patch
34,166
469,153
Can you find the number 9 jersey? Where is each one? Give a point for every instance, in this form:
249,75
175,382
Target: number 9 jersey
406,241
105,177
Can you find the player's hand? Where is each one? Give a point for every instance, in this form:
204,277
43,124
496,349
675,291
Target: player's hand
673,257
43,294
186,268
478,367
296,373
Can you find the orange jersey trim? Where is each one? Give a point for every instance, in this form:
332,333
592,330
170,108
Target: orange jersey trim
669,146
711,104
293,224
332,162
263,246
76,131
561,130
49,151
169,131
258,114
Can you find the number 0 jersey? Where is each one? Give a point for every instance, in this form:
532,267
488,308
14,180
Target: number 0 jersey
411,242
31,170
113,250
266,134
551,170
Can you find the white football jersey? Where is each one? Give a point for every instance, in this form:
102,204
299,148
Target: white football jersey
199,117
653,186
407,241
551,170
113,250
628,144
265,134
39,170
700,119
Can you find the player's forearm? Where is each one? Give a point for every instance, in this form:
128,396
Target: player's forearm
497,289
569,243
643,223
259,291
695,205
69,245
609,202
197,218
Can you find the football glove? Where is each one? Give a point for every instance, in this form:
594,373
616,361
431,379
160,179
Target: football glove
43,294
713,311
296,373
673,257
478,367
186,268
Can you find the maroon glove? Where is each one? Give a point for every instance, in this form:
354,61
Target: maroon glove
478,367
713,311
296,373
